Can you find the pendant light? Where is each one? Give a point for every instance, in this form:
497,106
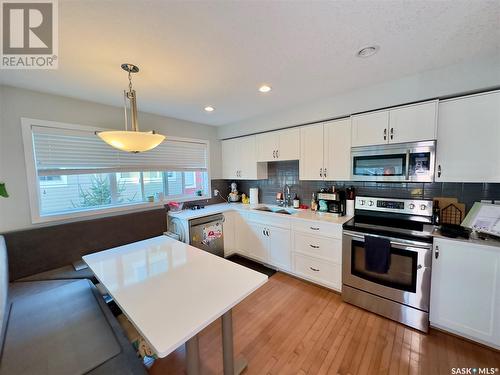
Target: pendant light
131,140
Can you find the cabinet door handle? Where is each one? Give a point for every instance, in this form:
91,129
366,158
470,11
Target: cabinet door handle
314,228
314,246
324,173
277,154
268,232
385,134
314,269
274,154
321,172
392,133
436,252
439,170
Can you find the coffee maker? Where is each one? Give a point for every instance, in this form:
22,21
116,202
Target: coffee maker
332,202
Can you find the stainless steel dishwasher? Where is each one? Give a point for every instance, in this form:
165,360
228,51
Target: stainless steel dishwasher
207,233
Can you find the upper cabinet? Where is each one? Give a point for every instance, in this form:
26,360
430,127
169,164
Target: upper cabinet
311,152
410,123
325,151
370,128
468,139
337,150
239,160
278,145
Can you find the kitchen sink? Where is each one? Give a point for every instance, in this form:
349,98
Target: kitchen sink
277,210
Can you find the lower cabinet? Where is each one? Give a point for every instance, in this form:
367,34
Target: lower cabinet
465,290
318,270
309,249
280,254
318,258
256,242
229,228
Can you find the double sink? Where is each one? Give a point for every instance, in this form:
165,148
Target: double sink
277,210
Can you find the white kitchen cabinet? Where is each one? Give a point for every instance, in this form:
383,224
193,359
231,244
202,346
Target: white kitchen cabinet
280,248
255,244
337,150
325,151
311,152
468,139
465,290
411,123
318,270
230,245
289,146
370,128
267,144
229,159
278,145
239,160
317,252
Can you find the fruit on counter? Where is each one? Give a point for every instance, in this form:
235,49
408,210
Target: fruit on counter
245,199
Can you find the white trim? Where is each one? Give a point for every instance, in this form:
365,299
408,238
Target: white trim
33,183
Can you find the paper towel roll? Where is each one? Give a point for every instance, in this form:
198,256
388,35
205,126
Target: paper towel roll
254,195
350,207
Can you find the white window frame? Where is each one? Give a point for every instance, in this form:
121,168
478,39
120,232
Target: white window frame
33,181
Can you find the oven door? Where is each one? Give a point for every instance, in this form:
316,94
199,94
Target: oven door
408,278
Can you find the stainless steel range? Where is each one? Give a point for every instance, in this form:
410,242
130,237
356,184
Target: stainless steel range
398,287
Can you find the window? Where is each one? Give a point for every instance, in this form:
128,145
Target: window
74,173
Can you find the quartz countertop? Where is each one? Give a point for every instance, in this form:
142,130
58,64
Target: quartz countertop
170,290
475,241
300,214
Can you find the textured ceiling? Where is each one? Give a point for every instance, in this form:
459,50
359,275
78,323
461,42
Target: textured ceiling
194,53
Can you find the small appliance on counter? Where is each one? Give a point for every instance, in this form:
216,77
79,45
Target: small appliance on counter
234,195
333,202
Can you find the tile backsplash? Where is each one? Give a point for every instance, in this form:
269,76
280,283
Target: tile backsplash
287,172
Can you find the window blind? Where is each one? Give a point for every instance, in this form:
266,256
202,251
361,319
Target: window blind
65,152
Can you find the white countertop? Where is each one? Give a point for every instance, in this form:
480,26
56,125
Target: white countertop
169,290
224,207
472,240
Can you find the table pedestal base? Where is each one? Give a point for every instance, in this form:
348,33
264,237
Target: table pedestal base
231,366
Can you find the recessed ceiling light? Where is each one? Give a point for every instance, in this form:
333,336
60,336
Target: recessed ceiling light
368,51
209,108
265,88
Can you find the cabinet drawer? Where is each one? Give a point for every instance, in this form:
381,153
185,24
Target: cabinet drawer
316,246
318,228
318,270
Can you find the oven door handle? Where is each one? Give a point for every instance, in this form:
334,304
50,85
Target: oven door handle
416,244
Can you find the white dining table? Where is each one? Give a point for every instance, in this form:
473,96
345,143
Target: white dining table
170,291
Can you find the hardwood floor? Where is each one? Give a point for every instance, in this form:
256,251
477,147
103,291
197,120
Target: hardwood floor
292,327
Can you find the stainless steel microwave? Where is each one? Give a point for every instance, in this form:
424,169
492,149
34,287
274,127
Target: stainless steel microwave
403,162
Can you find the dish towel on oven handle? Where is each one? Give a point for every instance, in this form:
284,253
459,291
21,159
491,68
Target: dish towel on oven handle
377,254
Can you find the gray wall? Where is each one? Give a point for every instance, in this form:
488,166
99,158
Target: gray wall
16,103
455,79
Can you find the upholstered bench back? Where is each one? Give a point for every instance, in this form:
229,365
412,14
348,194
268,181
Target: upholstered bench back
4,286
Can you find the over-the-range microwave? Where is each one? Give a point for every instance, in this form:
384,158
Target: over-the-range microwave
403,162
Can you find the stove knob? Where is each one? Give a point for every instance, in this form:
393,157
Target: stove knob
370,203
362,202
423,207
412,206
